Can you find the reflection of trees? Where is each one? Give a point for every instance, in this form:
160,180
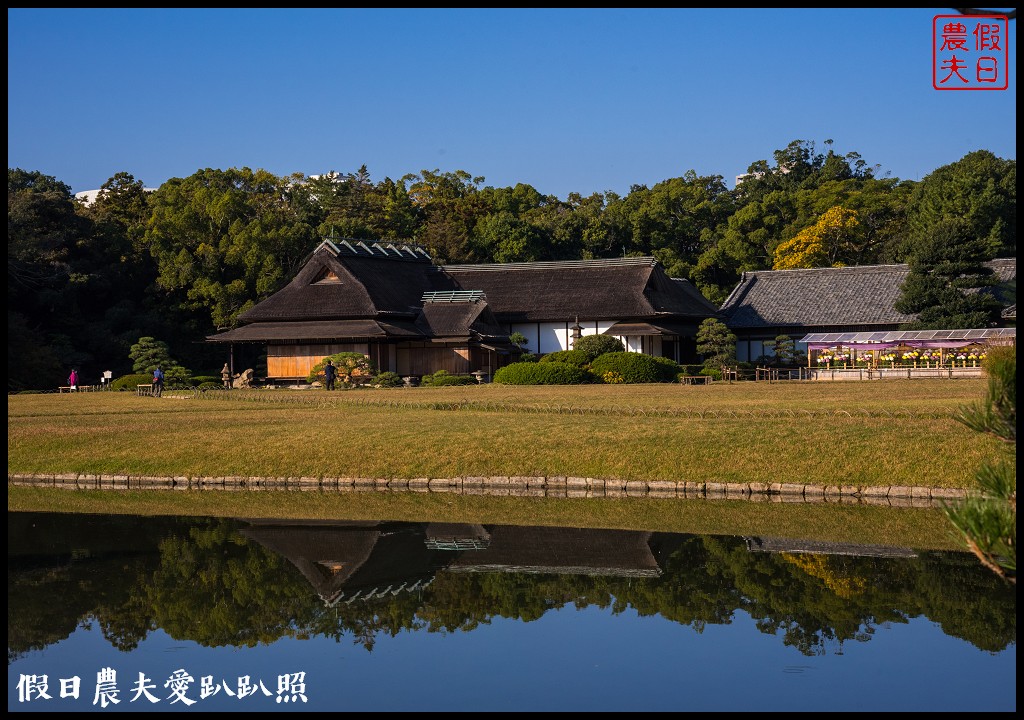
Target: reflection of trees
64,569
216,589
210,585
966,604
692,591
45,605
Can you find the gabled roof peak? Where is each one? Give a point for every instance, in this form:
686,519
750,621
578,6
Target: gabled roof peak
450,296
338,246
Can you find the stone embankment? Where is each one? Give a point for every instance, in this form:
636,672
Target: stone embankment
555,487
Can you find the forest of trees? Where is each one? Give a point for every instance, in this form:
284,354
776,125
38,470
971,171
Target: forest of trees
85,282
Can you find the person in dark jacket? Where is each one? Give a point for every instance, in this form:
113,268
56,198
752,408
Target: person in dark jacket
330,373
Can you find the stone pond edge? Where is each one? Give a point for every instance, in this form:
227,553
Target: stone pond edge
516,486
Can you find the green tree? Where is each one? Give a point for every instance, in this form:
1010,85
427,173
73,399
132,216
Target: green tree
597,345
509,238
980,190
783,348
944,287
226,239
988,519
673,218
148,353
118,294
824,244
716,343
45,242
450,206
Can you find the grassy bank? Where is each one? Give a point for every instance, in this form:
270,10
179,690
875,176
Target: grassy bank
920,528
858,433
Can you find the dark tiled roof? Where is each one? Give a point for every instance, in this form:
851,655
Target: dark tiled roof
822,297
818,547
592,289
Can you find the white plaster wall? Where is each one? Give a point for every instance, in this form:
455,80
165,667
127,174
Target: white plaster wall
543,338
553,337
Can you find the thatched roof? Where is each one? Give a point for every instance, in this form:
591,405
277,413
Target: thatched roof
592,289
458,319
860,295
570,551
346,285
348,559
313,330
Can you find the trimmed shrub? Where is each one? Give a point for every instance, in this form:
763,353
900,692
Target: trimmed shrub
596,345
210,386
388,380
713,373
444,378
542,373
635,367
352,367
202,379
129,382
176,377
579,358
670,367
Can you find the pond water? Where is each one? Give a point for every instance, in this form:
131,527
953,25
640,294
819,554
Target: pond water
124,613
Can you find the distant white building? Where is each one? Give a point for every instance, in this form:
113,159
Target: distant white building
740,178
88,197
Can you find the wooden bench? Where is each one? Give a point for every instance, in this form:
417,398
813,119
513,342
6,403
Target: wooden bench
695,379
144,389
79,388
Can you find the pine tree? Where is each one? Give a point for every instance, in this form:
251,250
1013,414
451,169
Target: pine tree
988,520
716,343
946,282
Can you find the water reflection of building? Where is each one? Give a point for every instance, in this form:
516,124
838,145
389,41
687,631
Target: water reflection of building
345,562
567,551
817,547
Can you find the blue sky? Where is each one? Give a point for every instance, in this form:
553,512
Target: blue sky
585,101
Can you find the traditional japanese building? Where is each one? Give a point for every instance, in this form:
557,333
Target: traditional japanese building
857,299
347,562
392,304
